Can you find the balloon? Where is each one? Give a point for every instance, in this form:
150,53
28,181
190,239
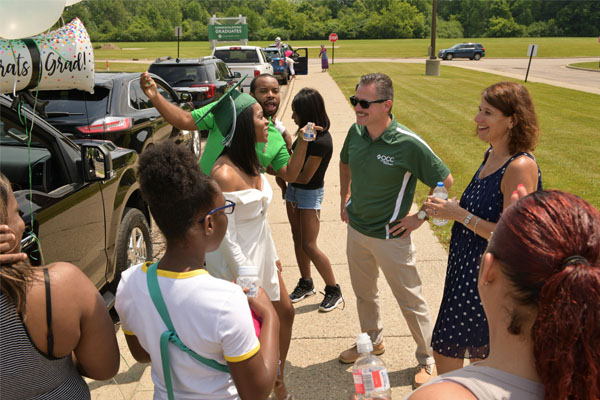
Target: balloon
61,59
24,18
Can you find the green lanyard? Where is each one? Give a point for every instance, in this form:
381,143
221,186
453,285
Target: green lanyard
170,335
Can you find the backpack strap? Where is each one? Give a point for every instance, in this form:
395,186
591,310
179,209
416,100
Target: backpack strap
170,335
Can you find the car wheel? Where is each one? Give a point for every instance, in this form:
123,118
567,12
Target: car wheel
449,57
195,144
477,56
134,245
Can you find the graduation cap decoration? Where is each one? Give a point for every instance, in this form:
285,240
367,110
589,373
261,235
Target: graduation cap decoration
227,109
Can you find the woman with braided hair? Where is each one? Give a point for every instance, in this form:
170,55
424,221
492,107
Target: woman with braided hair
539,283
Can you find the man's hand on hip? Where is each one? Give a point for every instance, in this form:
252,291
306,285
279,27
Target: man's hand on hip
403,227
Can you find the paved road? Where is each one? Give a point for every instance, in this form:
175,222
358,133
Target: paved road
552,71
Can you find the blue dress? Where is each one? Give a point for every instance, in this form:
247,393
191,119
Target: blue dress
461,329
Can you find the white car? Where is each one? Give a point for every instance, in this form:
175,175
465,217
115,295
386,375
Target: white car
247,60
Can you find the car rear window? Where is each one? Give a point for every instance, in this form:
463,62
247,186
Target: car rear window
76,103
234,56
178,75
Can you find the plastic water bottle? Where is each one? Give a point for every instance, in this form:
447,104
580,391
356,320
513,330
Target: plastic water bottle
248,277
441,193
309,132
371,380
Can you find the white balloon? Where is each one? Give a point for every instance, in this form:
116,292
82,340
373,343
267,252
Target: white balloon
24,18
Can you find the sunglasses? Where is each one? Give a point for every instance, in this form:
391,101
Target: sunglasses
228,209
364,103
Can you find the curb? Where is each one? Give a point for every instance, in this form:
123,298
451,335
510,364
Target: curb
286,99
583,69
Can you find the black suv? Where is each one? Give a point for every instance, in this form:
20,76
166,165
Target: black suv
206,78
474,51
79,197
118,111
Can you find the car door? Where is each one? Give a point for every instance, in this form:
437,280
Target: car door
300,57
66,214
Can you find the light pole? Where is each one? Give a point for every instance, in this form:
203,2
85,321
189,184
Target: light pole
432,65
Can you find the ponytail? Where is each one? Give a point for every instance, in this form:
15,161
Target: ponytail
566,334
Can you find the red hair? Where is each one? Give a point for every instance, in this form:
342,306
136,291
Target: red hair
548,245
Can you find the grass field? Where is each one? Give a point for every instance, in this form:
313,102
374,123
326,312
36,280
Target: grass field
494,47
588,65
441,109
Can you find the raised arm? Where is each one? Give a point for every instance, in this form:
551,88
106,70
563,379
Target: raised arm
174,115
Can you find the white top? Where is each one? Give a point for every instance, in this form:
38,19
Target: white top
488,383
248,240
211,316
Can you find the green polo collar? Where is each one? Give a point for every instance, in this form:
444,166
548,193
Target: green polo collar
389,135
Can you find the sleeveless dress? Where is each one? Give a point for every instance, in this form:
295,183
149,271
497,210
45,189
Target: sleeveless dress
26,373
248,240
461,329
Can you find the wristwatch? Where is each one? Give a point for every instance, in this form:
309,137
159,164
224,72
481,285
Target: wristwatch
468,219
422,215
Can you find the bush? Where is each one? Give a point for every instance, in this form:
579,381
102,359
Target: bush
544,28
502,27
449,29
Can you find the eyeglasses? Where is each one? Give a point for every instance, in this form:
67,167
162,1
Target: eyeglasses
364,103
227,209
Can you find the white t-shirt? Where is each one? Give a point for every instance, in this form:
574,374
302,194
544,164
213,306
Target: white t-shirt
211,316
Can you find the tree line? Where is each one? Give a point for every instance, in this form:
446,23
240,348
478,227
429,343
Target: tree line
154,20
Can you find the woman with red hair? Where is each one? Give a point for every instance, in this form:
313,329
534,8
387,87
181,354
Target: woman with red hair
539,283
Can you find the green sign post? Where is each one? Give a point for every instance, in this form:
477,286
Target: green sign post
226,33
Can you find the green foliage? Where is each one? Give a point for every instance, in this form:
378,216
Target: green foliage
154,20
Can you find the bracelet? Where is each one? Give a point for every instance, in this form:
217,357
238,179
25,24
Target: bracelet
475,226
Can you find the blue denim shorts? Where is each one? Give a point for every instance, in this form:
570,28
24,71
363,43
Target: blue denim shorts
306,199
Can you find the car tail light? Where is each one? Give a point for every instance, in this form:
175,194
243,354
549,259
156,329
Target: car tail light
483,48
256,73
209,89
107,124
235,48
281,62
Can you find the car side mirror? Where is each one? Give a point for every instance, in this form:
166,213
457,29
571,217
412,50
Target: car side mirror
269,59
237,75
96,162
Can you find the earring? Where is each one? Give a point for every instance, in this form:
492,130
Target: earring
486,283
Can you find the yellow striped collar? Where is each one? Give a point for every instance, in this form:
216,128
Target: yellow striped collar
175,275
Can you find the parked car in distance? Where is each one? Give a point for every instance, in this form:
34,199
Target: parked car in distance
474,51
277,57
247,60
84,203
206,78
118,111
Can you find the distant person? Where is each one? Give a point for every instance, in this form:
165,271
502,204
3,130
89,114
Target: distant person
249,240
507,121
324,59
304,198
380,164
278,42
539,284
54,325
210,316
290,64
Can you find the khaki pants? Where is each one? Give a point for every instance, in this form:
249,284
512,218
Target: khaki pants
396,258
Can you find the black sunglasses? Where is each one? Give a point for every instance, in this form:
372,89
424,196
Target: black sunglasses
364,103
228,209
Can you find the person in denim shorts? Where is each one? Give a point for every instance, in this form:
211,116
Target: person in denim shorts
304,197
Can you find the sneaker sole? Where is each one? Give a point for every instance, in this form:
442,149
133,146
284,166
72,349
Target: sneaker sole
327,309
352,361
312,293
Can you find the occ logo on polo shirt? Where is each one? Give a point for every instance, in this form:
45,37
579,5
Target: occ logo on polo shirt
385,160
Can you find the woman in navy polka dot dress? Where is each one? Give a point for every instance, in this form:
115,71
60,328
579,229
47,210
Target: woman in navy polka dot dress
507,121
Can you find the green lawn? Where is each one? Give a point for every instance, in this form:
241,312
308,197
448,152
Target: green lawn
494,47
588,65
441,109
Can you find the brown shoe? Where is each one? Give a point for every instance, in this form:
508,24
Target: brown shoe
424,373
351,355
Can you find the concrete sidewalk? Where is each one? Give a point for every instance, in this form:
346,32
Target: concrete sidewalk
312,370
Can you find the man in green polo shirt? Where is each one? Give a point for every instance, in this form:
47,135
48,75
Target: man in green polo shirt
380,164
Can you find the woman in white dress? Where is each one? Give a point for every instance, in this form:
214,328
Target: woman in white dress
248,240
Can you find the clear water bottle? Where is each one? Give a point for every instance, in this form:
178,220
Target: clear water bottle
309,133
248,277
441,193
371,380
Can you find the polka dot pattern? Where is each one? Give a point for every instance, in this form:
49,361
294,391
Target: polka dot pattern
461,329
67,60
